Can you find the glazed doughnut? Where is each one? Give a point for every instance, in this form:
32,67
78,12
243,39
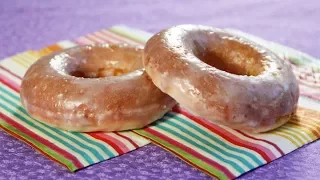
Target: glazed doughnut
93,88
222,78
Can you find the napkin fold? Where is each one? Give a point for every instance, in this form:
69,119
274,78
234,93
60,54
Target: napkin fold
217,150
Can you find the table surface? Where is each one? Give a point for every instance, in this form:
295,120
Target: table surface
33,24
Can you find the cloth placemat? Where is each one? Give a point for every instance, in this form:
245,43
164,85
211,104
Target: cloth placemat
217,150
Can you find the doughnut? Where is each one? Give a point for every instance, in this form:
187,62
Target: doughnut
93,88
222,78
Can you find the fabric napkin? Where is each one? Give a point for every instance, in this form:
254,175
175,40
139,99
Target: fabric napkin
225,153
73,150
217,150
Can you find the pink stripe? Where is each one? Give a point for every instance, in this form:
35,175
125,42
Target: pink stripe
9,83
10,72
123,147
128,139
120,38
311,96
79,42
82,41
190,150
268,142
224,132
42,140
94,38
105,38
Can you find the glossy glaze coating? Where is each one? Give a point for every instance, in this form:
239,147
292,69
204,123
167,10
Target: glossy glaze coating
93,88
222,78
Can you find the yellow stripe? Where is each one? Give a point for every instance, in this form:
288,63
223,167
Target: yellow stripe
294,137
34,54
26,59
47,50
308,114
310,124
31,57
44,52
309,118
19,62
284,135
303,135
303,128
306,125
314,123
22,59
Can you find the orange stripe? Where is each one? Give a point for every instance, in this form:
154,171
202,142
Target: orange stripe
54,47
311,124
305,126
309,118
308,113
306,119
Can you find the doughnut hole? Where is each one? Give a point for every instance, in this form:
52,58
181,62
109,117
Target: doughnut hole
228,55
97,61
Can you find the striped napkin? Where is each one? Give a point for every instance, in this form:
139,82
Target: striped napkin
217,150
225,153
73,150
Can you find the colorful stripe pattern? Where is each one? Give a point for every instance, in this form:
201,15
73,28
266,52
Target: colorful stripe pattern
73,150
217,150
226,153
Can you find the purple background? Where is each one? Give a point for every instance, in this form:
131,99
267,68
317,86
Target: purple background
32,25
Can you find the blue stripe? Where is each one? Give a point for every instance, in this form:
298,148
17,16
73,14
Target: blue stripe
233,164
102,147
95,152
216,140
222,143
76,141
82,153
10,94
